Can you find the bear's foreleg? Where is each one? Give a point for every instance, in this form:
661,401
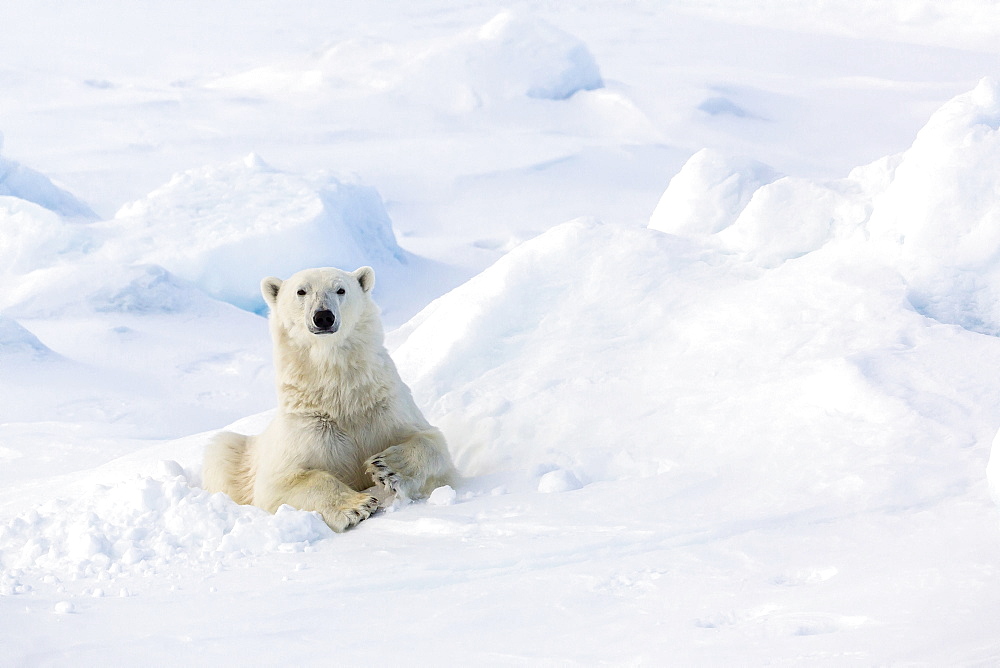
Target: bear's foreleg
413,468
315,489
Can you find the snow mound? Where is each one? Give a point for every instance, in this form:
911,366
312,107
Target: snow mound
443,496
17,342
142,526
512,56
932,213
32,236
709,193
791,217
558,481
939,218
225,227
747,208
102,287
143,289
609,352
19,181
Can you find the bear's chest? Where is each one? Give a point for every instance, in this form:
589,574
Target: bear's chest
335,447
329,433
344,440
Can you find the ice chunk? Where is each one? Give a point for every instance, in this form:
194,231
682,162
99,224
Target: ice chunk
442,496
559,480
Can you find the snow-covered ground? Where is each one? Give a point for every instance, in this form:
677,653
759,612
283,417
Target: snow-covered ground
704,295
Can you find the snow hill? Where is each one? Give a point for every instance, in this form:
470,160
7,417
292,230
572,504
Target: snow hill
22,183
218,227
509,57
709,408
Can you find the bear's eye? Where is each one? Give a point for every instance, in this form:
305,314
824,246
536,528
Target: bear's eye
341,291
301,292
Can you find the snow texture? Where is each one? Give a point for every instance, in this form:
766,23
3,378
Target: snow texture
709,193
940,216
16,341
510,57
145,526
218,227
24,183
704,299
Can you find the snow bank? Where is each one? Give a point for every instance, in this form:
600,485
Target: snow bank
18,343
792,216
218,229
226,227
709,193
744,207
939,218
932,213
19,181
603,352
141,527
32,236
101,287
510,57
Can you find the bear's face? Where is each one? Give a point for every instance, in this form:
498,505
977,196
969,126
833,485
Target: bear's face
319,302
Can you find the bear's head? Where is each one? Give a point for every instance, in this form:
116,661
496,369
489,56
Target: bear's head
323,303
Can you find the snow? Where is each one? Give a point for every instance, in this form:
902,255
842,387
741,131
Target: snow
703,296
942,214
141,527
26,184
708,194
508,57
443,496
218,227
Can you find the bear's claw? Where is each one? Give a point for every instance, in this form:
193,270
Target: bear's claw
383,475
352,517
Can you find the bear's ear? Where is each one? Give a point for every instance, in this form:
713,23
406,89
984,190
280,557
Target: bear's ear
269,288
366,277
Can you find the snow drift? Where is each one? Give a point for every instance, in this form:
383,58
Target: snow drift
508,58
940,215
616,353
215,229
720,441
33,237
17,343
24,183
708,194
219,227
143,526
931,212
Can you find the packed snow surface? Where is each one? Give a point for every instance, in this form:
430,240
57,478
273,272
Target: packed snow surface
703,296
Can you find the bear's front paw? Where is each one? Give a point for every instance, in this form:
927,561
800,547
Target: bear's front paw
344,518
383,474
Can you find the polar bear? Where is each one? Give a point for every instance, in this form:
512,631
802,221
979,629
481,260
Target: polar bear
345,419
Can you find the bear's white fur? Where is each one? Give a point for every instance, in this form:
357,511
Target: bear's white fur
345,419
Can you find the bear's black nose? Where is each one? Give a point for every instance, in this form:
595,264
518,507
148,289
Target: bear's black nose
324,319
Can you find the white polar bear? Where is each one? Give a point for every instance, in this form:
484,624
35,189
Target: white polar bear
345,419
